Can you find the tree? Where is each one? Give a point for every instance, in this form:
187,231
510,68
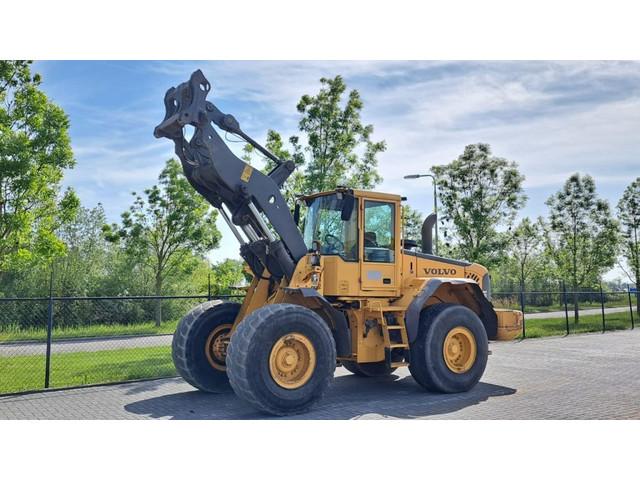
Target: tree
479,193
581,236
338,149
227,276
411,224
81,269
629,215
294,184
34,151
525,251
334,135
163,229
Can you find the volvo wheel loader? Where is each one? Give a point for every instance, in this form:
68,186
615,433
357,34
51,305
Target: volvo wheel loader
343,288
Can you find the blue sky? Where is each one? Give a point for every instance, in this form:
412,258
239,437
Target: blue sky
553,118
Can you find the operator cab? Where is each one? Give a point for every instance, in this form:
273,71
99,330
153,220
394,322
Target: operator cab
332,224
357,227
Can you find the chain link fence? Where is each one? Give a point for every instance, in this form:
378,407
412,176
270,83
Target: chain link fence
565,312
55,342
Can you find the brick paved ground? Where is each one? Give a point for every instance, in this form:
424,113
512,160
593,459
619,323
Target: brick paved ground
592,376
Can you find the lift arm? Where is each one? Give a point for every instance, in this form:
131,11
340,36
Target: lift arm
245,197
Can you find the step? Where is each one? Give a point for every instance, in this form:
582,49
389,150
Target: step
394,327
399,345
399,364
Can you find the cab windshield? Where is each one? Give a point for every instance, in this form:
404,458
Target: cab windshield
323,223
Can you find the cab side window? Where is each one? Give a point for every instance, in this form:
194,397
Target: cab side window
379,229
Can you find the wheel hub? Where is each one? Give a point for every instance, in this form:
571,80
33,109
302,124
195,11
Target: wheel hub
216,347
460,350
292,361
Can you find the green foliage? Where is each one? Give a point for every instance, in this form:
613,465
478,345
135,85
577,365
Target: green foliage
169,221
34,151
82,269
629,215
412,224
581,235
334,134
338,149
525,257
163,230
295,183
226,276
479,193
88,266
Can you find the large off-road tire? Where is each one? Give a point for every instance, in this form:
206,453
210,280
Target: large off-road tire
375,369
196,346
281,359
450,352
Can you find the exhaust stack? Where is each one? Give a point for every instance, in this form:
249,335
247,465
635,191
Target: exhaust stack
427,233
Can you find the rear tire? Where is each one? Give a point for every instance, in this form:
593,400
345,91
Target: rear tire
450,352
375,369
192,344
281,359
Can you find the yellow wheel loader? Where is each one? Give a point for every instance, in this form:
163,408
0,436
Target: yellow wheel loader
340,287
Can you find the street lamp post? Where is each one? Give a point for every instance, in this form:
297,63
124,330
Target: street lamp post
435,198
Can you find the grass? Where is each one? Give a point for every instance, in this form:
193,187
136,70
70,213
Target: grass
581,306
82,368
9,334
543,327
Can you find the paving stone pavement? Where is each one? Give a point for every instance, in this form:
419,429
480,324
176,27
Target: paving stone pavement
592,376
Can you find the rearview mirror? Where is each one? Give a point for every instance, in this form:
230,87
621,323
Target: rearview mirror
348,203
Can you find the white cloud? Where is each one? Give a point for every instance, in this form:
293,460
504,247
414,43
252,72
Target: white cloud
553,118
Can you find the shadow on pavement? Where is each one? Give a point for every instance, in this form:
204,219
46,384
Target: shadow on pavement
349,397
144,386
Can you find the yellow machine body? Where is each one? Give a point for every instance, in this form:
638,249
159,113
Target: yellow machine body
375,296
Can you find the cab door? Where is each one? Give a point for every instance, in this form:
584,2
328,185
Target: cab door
378,244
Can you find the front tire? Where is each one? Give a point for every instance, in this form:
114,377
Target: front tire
281,359
197,349
450,352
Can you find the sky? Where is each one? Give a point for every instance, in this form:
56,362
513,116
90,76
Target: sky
552,118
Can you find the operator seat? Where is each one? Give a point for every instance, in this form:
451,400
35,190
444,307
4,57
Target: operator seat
370,239
373,252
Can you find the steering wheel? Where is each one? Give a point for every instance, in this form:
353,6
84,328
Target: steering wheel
334,243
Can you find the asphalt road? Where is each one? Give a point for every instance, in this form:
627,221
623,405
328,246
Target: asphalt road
591,376
588,311
83,345
115,343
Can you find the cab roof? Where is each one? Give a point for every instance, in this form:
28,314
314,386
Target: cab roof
390,197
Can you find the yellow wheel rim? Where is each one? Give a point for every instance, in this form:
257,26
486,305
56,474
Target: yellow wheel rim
292,361
460,350
215,348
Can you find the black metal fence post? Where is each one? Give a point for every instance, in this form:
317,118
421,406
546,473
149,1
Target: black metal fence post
602,307
630,306
209,287
47,363
566,306
524,321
